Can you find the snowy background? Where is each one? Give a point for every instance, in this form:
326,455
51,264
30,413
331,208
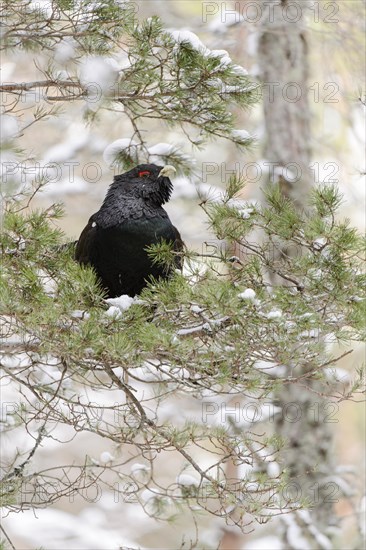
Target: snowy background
83,155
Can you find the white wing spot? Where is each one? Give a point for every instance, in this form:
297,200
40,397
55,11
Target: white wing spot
94,224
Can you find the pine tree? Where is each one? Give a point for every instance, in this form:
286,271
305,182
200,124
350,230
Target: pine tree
221,333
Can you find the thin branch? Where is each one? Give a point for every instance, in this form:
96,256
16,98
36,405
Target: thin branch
7,536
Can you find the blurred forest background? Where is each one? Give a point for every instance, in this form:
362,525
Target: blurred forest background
337,100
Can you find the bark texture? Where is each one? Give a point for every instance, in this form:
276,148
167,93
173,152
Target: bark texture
283,60
307,420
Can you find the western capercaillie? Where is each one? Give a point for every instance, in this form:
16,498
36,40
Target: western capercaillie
131,218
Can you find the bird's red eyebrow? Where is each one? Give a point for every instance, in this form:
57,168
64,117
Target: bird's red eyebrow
144,173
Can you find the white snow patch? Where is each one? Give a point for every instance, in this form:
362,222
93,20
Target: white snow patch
194,270
50,375
7,70
190,330
149,494
315,273
210,192
113,149
337,374
225,59
248,294
114,311
80,314
64,50
230,89
273,369
294,533
241,134
43,6
106,457
184,36
238,69
15,360
312,333
273,469
49,284
124,61
148,372
123,302
137,467
99,71
274,314
184,188
187,480
319,243
54,529
196,309
161,149
245,208
246,213
9,127
357,299
175,372
307,315
6,422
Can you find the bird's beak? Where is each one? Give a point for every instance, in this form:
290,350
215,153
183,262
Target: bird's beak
168,171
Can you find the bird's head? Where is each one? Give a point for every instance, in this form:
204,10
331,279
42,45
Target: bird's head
147,181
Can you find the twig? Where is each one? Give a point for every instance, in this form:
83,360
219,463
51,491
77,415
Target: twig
7,537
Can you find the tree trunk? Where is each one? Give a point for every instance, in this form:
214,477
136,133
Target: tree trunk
283,60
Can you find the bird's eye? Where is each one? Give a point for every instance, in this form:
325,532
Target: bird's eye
144,173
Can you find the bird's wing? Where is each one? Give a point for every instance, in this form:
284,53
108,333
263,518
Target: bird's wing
85,243
178,247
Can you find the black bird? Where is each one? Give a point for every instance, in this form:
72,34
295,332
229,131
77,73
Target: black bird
130,219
